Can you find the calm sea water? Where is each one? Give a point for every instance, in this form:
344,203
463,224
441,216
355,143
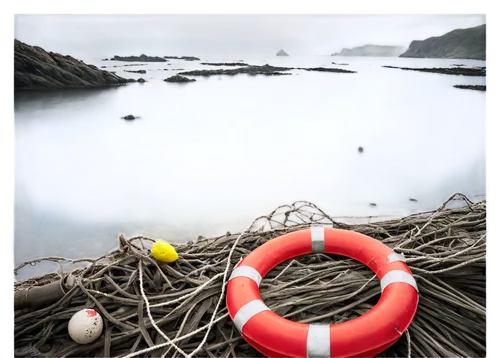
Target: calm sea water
209,156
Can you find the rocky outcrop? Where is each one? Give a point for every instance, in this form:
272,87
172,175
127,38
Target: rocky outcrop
472,87
138,71
324,69
135,64
372,50
266,70
35,68
224,64
179,79
141,58
461,71
282,53
141,80
185,58
467,43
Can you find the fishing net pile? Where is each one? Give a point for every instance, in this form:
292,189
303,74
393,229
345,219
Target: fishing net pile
153,309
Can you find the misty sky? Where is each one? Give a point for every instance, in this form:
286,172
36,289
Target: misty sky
301,35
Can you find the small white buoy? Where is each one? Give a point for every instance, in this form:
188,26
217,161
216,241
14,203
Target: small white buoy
85,326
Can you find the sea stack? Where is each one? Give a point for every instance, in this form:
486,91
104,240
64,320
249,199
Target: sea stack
282,53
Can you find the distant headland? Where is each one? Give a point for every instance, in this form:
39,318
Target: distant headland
372,50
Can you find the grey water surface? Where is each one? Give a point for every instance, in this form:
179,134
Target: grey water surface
210,156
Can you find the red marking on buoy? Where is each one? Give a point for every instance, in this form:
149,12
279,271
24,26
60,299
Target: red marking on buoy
91,313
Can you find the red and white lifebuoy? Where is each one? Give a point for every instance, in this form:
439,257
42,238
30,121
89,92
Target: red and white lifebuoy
365,336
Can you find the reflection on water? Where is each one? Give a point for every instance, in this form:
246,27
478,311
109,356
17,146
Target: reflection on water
209,156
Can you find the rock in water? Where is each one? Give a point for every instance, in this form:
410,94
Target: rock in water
35,68
179,79
360,149
282,53
141,80
185,58
138,71
458,71
471,87
129,117
373,204
141,58
411,199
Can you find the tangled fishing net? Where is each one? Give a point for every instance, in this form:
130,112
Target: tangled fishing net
152,309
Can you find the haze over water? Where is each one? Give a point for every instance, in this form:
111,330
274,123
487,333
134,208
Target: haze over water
209,156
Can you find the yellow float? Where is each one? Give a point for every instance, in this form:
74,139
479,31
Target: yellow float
164,252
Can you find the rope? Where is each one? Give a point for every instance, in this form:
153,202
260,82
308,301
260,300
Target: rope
445,249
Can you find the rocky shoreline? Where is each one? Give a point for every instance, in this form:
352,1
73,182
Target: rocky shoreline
461,71
36,69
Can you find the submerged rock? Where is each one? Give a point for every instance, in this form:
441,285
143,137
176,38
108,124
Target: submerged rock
360,149
35,68
179,79
373,204
411,199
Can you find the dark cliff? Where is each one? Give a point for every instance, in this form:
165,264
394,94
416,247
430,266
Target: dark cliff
460,44
35,68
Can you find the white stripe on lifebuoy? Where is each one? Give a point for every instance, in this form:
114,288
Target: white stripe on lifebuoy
318,341
318,239
247,311
395,257
397,276
246,271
